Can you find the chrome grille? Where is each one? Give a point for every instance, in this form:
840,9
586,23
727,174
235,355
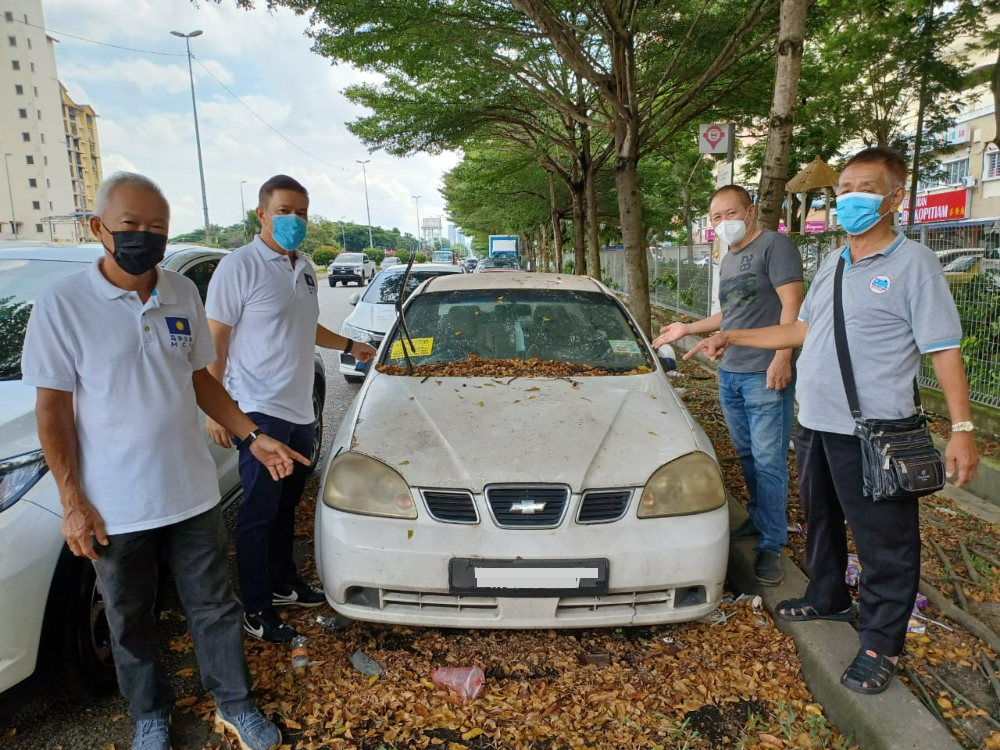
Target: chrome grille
451,507
604,506
527,507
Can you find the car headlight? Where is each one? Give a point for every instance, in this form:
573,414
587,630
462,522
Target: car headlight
689,484
358,334
359,484
19,474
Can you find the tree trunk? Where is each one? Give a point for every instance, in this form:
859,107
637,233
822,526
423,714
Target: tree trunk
579,233
634,239
593,234
556,228
995,88
529,249
774,173
687,224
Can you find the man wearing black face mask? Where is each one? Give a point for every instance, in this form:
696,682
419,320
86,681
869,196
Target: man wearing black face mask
118,354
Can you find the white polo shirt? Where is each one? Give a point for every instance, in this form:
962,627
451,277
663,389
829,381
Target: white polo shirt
144,460
273,310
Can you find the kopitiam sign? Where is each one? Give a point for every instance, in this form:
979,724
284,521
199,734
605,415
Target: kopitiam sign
946,206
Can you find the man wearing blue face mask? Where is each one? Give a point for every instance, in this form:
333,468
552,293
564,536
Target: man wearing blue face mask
896,307
263,312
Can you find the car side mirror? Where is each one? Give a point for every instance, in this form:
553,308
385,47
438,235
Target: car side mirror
667,357
354,298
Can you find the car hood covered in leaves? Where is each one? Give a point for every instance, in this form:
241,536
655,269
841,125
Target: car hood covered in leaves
587,432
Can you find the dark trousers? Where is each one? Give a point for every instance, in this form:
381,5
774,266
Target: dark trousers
886,533
127,570
265,524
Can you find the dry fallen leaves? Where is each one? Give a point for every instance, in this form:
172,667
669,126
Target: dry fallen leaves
477,367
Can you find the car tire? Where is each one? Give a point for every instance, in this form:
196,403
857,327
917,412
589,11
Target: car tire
317,404
355,379
333,283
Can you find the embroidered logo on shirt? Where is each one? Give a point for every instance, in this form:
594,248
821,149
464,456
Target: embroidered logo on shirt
310,281
180,332
879,285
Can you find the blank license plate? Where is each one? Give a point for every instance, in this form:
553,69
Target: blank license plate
560,578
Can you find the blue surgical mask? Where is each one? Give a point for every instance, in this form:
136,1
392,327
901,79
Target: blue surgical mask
288,230
858,212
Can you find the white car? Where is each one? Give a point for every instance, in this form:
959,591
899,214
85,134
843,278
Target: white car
520,502
389,261
351,267
375,311
51,609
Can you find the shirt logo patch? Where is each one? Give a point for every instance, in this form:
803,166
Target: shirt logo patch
180,332
879,285
310,281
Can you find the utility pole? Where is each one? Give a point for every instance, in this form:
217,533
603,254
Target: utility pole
10,193
343,234
246,233
416,202
918,141
371,245
197,134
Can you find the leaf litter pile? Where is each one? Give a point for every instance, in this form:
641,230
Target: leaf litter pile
950,661
477,367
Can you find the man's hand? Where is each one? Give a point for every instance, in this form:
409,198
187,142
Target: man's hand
277,457
712,347
80,519
961,454
362,352
779,373
671,333
218,433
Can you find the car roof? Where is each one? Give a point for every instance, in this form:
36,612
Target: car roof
474,281
85,252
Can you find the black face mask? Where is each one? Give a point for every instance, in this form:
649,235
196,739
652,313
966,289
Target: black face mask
138,252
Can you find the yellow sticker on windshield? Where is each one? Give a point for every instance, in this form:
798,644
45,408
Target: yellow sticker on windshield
419,348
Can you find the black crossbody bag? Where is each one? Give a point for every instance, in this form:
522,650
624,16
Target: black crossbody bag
899,460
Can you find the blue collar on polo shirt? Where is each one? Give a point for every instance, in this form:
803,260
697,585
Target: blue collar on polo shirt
885,251
163,291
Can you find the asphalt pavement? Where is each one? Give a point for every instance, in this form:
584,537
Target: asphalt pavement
34,715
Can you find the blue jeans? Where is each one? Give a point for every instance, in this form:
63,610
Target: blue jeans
760,428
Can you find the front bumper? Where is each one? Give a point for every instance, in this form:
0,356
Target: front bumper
345,276
31,544
397,571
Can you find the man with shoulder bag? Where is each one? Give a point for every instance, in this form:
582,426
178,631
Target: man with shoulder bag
863,449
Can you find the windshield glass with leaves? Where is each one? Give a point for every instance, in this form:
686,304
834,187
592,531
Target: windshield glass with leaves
384,288
586,331
20,283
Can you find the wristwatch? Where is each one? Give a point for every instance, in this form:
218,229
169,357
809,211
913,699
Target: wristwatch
963,427
350,345
249,439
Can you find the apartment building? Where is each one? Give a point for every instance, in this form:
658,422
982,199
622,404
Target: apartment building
36,186
83,151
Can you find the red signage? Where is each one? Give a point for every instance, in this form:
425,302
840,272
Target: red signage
945,206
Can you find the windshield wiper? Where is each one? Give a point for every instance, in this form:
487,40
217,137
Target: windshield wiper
401,319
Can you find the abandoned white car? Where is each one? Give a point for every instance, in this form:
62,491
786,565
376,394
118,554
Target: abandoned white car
523,462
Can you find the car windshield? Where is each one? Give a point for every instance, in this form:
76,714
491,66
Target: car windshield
502,262
349,259
442,256
962,264
20,283
523,332
384,288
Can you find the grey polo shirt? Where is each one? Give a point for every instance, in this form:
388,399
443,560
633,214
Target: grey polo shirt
897,306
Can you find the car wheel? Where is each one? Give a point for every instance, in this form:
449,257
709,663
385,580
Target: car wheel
333,283
317,446
354,379
77,637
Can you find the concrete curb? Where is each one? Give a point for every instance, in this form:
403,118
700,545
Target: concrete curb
893,720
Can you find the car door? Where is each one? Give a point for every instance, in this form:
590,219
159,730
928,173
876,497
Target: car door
227,462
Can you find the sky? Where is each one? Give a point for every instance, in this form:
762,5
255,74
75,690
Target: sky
146,125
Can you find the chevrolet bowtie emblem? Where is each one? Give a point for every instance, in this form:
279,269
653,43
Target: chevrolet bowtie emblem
527,508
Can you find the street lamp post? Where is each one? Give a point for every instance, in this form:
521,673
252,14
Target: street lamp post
343,234
10,192
371,244
416,202
246,234
197,134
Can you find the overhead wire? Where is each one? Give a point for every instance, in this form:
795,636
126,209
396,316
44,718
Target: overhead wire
229,91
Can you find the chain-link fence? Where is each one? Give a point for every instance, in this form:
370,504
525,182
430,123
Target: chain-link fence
969,253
